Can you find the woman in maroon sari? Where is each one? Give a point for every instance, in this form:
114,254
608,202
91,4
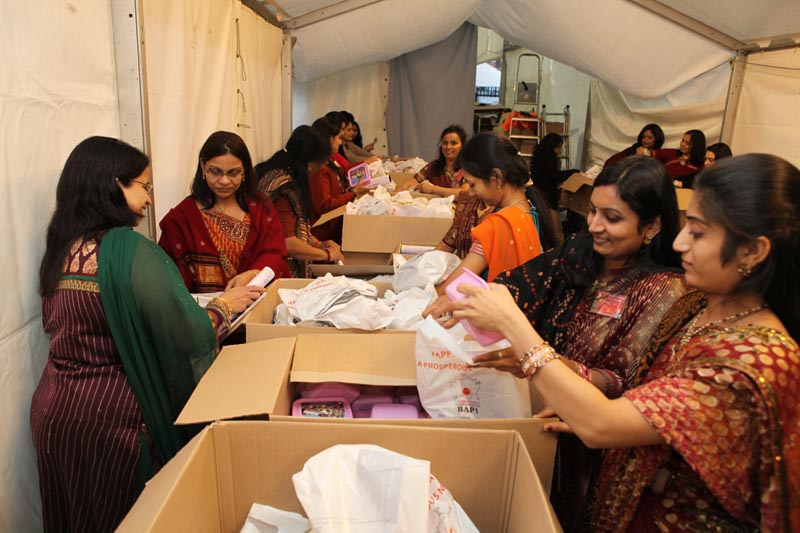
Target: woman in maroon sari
710,441
128,343
225,232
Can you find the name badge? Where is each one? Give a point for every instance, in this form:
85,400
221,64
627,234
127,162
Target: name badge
608,304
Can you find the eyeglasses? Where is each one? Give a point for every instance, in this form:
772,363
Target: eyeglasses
233,174
148,187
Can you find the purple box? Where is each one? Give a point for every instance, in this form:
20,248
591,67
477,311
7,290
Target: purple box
394,410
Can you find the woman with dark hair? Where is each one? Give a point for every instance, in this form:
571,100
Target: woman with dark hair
716,152
442,176
685,162
709,440
284,179
328,185
651,137
225,232
352,151
128,343
547,175
514,232
598,297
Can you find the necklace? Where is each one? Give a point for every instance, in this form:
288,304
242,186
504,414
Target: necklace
692,331
517,202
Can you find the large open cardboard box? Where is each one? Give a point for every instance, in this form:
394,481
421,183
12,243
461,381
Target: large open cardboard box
257,380
211,483
382,234
357,265
260,320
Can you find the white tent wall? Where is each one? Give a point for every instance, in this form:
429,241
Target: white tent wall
616,117
205,75
54,92
560,85
768,115
361,90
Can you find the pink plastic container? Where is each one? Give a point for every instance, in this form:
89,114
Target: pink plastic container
329,389
484,337
408,396
362,406
322,408
394,410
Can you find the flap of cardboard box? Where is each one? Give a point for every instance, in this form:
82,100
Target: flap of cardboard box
358,358
330,215
575,182
245,380
684,196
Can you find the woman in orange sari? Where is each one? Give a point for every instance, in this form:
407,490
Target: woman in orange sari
515,232
710,439
225,232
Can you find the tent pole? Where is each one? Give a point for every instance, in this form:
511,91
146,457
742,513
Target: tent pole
286,84
734,93
129,60
325,13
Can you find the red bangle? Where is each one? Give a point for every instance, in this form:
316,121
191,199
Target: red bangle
584,372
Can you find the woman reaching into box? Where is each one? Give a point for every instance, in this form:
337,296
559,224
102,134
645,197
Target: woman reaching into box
710,440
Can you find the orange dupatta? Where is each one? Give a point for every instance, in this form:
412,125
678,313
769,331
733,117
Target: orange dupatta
509,239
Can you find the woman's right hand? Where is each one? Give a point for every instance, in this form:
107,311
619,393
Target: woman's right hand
241,297
334,249
504,360
360,190
441,307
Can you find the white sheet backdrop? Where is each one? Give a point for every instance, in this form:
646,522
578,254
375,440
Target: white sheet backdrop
198,85
47,106
616,118
769,109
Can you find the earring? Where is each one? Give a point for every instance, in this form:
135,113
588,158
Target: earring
647,239
744,271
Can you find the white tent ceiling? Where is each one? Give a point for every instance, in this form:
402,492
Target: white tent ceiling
622,42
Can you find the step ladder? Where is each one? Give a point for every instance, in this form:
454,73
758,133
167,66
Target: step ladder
525,126
558,123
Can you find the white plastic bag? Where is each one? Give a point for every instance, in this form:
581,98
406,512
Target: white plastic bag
450,387
408,306
335,301
426,268
363,488
266,519
445,515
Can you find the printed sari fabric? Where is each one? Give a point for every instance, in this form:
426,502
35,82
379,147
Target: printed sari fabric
449,178
508,239
470,211
727,404
278,186
210,248
561,310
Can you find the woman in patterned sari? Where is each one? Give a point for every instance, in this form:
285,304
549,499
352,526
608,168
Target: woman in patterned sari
284,179
128,343
225,232
710,441
598,297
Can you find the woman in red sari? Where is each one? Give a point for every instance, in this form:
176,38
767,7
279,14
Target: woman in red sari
685,162
710,440
225,232
514,232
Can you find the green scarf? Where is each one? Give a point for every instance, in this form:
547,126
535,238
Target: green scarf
165,340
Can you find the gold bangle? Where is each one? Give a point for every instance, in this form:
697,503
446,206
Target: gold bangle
536,357
223,304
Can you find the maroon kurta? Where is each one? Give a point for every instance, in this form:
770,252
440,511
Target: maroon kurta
84,416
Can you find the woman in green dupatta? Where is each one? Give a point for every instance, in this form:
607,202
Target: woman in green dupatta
128,343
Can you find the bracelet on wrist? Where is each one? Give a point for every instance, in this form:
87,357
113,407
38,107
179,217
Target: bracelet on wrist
223,307
583,371
536,357
328,253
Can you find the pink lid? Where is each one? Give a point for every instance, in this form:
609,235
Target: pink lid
362,406
484,337
330,389
394,410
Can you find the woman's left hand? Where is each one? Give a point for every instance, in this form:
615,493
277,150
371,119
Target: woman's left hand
490,308
427,187
241,279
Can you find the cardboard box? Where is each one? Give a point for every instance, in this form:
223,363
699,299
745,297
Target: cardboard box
401,178
259,321
357,265
256,380
212,482
576,193
381,234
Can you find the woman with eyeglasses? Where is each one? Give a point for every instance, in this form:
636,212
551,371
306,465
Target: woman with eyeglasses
225,232
128,343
